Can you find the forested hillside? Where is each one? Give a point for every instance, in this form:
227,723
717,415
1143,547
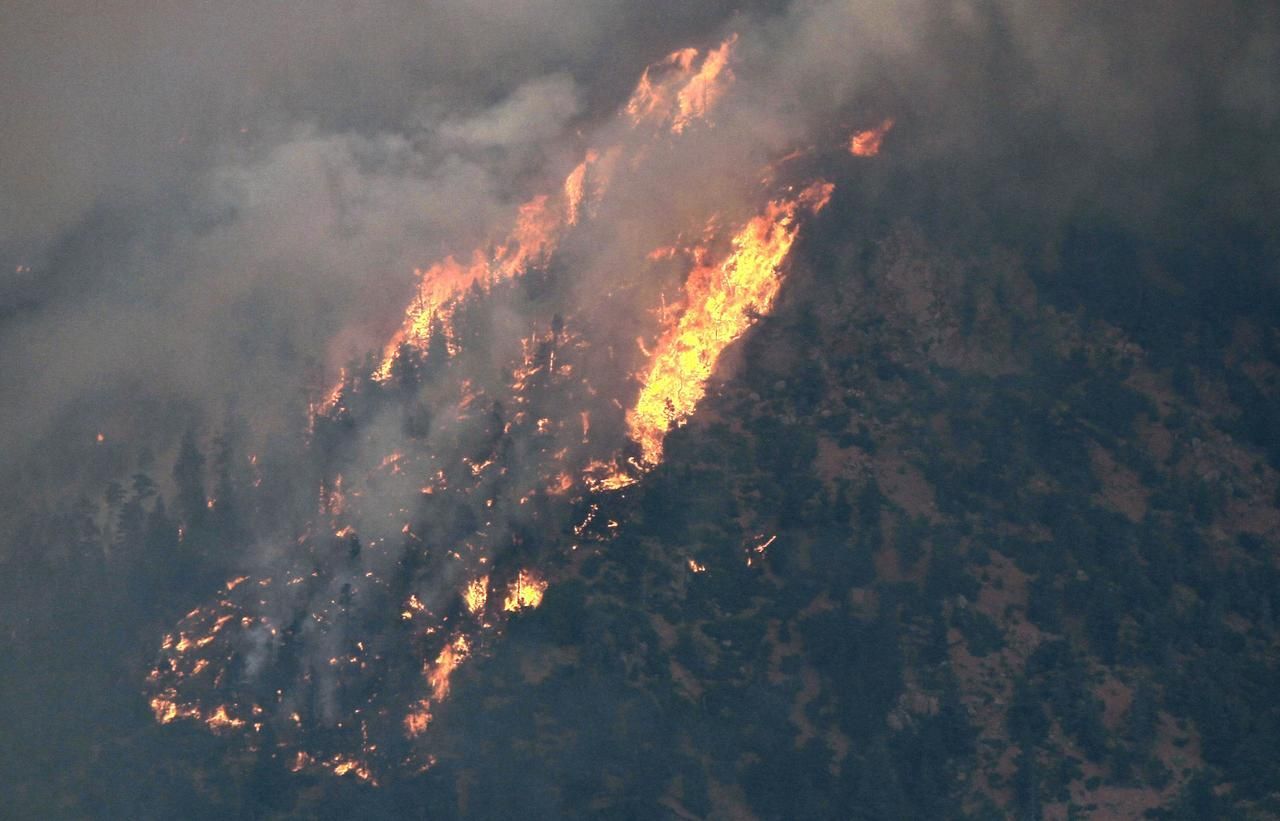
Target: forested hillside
955,535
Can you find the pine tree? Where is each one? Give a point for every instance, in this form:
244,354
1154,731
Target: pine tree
188,475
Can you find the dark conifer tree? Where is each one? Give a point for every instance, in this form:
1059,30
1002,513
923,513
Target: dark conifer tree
188,476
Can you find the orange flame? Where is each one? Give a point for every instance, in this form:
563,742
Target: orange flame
453,654
649,98
705,88
726,289
563,484
600,475
331,398
341,765
443,284
575,187
437,676
220,719
418,719
721,302
476,594
677,97
671,91
525,591
867,143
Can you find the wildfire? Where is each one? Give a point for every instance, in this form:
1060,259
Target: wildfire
525,591
649,97
391,462
206,670
331,398
332,499
606,476
411,606
705,88
536,233
867,143
575,187
437,676
343,765
672,91
453,654
476,594
164,707
721,302
757,551
220,719
418,719
562,485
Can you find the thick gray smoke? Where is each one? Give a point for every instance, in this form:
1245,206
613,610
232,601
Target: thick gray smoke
218,204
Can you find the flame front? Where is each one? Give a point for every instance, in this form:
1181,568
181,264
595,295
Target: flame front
681,96
705,88
531,242
721,301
